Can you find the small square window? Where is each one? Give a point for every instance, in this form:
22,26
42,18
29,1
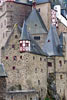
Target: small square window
48,40
6,57
49,64
13,67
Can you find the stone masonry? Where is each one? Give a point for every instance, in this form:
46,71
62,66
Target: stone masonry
25,69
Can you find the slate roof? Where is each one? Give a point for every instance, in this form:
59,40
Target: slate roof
23,2
34,47
52,46
42,1
35,23
2,71
24,33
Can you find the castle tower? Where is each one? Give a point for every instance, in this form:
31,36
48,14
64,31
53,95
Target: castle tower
14,12
44,7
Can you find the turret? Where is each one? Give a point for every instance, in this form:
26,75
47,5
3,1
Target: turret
25,40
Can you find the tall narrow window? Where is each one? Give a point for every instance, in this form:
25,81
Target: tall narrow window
35,70
61,77
38,82
60,62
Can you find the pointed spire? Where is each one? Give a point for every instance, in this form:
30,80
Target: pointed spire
52,44
24,33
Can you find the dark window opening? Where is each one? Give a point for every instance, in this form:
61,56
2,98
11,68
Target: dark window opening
30,98
35,70
14,58
49,64
41,70
6,57
40,59
20,57
48,40
39,98
60,62
13,46
38,82
33,57
16,36
36,37
13,68
60,76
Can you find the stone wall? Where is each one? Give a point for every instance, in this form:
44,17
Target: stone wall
25,69
22,96
2,88
60,75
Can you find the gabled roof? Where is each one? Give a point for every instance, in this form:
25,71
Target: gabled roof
52,46
35,23
34,47
42,1
2,71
